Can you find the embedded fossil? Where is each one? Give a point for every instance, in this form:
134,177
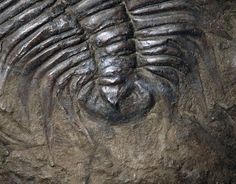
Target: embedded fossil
105,50
112,59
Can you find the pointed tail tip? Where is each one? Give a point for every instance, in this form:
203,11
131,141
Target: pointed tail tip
113,94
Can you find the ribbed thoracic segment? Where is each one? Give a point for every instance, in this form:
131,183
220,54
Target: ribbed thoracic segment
110,35
111,53
156,18
134,43
41,41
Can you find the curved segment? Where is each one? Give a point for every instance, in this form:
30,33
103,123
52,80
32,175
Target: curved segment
144,35
109,54
134,102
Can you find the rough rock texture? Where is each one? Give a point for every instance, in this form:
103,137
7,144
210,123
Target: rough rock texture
195,142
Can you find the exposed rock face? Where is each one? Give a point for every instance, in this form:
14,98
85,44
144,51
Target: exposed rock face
117,91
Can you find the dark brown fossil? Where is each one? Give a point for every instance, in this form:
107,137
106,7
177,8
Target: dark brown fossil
150,83
109,54
112,59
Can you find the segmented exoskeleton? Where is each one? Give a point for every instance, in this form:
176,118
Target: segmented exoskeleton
134,42
111,59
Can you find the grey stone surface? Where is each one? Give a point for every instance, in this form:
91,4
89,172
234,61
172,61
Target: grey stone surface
186,133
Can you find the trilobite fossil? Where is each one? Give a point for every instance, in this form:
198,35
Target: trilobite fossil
111,59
